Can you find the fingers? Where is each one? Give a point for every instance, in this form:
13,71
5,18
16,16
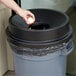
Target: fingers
27,16
30,18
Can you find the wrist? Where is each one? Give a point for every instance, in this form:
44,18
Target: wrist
18,10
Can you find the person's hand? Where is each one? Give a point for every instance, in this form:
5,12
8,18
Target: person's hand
27,16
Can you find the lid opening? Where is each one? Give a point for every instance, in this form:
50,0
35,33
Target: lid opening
39,26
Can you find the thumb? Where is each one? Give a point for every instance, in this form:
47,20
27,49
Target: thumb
30,20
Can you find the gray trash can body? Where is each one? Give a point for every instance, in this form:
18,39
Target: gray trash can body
53,64
41,49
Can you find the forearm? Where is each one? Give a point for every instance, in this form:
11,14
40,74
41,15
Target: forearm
11,4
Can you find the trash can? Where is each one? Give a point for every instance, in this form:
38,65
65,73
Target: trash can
41,49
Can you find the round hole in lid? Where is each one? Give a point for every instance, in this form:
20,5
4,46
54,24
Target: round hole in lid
39,26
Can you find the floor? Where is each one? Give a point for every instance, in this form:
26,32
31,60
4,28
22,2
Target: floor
11,73
72,16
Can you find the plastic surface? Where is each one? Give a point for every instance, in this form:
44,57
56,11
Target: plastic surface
42,49
50,67
53,64
18,21
46,31
57,21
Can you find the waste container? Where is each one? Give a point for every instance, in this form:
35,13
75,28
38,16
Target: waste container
41,49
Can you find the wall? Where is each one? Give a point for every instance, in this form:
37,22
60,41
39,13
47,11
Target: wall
3,48
72,57
74,2
10,58
61,5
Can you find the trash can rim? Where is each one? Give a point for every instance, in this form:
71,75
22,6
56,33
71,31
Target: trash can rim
49,29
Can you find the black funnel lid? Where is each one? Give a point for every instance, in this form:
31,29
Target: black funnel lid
50,26
17,21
